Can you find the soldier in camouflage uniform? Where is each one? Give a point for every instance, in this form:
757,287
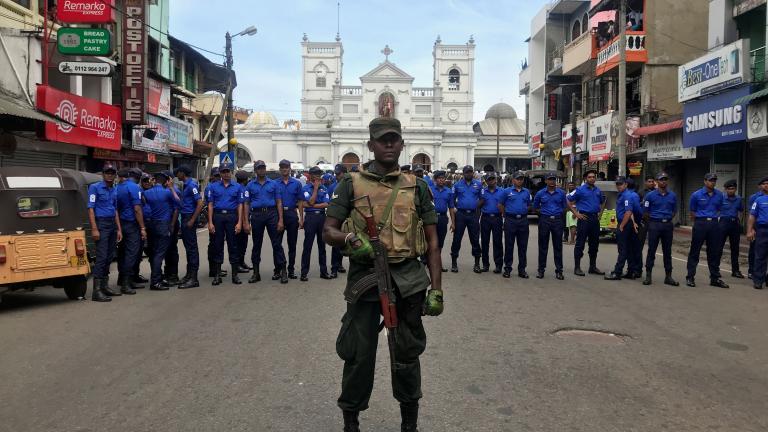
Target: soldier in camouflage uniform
412,207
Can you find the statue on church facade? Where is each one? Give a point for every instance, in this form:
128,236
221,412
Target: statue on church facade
386,105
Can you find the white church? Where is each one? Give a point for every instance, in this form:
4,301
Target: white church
438,127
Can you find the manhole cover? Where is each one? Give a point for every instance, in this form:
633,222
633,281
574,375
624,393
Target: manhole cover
595,336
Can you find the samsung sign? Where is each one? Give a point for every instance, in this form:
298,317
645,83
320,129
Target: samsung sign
723,68
715,120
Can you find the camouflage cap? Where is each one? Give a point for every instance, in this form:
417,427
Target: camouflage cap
381,126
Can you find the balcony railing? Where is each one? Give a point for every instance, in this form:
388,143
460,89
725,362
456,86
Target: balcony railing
351,90
422,92
608,56
757,64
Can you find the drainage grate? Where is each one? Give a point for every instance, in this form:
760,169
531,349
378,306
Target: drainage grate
595,336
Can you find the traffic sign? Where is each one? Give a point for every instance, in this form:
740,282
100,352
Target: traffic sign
227,158
85,68
84,41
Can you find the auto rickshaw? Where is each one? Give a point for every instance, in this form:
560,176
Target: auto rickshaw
608,222
43,229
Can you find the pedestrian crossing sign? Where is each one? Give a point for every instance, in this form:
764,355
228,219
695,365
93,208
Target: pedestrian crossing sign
227,158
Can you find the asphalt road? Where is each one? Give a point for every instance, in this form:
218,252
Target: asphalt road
261,357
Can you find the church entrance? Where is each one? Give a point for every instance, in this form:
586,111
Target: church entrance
453,167
424,160
350,159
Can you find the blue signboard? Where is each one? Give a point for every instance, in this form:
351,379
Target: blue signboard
715,119
227,158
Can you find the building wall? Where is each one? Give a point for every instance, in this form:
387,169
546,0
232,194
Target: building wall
12,15
159,18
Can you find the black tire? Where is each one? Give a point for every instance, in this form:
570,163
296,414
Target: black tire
75,287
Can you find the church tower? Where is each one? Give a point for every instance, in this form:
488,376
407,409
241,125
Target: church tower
454,73
322,64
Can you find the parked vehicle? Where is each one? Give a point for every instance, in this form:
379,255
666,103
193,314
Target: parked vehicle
608,222
44,229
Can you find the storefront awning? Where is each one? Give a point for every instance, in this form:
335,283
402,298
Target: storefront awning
12,107
659,128
751,97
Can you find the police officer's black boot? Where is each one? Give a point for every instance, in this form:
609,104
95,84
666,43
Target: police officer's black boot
593,267
577,269
235,278
410,415
647,280
477,268
125,286
255,277
283,276
276,274
216,274
191,281
351,422
669,281
96,294
454,265
211,269
108,291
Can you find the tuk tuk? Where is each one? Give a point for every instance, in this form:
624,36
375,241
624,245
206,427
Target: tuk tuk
535,180
43,230
608,222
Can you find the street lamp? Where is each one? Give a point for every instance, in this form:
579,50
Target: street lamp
250,31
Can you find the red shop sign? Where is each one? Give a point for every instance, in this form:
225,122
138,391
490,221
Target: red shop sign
95,124
85,11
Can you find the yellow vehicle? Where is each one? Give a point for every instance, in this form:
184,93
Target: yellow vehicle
43,229
608,222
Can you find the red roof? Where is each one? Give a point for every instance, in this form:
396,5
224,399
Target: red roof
659,128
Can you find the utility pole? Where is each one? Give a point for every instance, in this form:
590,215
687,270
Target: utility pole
621,141
230,118
574,136
498,145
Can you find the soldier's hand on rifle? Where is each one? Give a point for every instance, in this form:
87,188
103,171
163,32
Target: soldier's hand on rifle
358,248
433,304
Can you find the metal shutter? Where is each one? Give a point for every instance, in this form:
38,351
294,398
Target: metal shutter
695,169
757,166
39,159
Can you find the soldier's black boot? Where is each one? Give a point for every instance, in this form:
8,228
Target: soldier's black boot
647,280
669,281
191,281
454,265
577,269
125,286
108,291
410,415
235,278
477,268
216,274
255,277
97,295
351,422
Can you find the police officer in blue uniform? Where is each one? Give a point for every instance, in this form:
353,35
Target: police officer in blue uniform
405,169
291,193
752,199
129,208
171,271
336,257
491,223
515,206
263,202
105,231
659,208
628,215
730,224
145,183
466,194
242,178
191,207
587,203
550,203
315,200
215,177
225,220
418,171
443,198
164,201
757,231
705,205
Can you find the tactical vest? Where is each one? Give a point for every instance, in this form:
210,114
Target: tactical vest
403,233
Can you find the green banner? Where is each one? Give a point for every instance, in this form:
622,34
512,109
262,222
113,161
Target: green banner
84,41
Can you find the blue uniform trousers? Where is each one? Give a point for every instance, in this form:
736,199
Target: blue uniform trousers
129,250
551,226
189,239
492,224
587,231
628,243
224,224
659,231
442,229
313,229
466,219
159,238
242,246
761,254
144,248
751,258
261,221
336,258
172,254
705,231
730,230
516,229
105,246
291,224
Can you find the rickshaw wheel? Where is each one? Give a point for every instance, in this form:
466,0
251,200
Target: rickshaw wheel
75,287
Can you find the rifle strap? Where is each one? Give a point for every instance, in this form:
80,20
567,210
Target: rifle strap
388,209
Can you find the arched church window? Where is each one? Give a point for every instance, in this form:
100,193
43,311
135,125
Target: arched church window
320,73
454,78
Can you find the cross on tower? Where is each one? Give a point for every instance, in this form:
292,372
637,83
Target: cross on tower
387,51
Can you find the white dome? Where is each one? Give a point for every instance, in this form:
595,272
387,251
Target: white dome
501,111
259,120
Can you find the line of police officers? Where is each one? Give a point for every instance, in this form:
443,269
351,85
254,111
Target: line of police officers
139,207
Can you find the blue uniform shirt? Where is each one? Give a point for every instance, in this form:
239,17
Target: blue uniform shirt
128,195
467,196
429,181
550,203
225,197
190,196
491,200
443,198
262,195
759,210
290,193
705,205
516,202
102,199
628,201
731,206
322,196
332,187
161,201
660,206
587,199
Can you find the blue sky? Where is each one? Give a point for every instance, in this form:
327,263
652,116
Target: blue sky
268,65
